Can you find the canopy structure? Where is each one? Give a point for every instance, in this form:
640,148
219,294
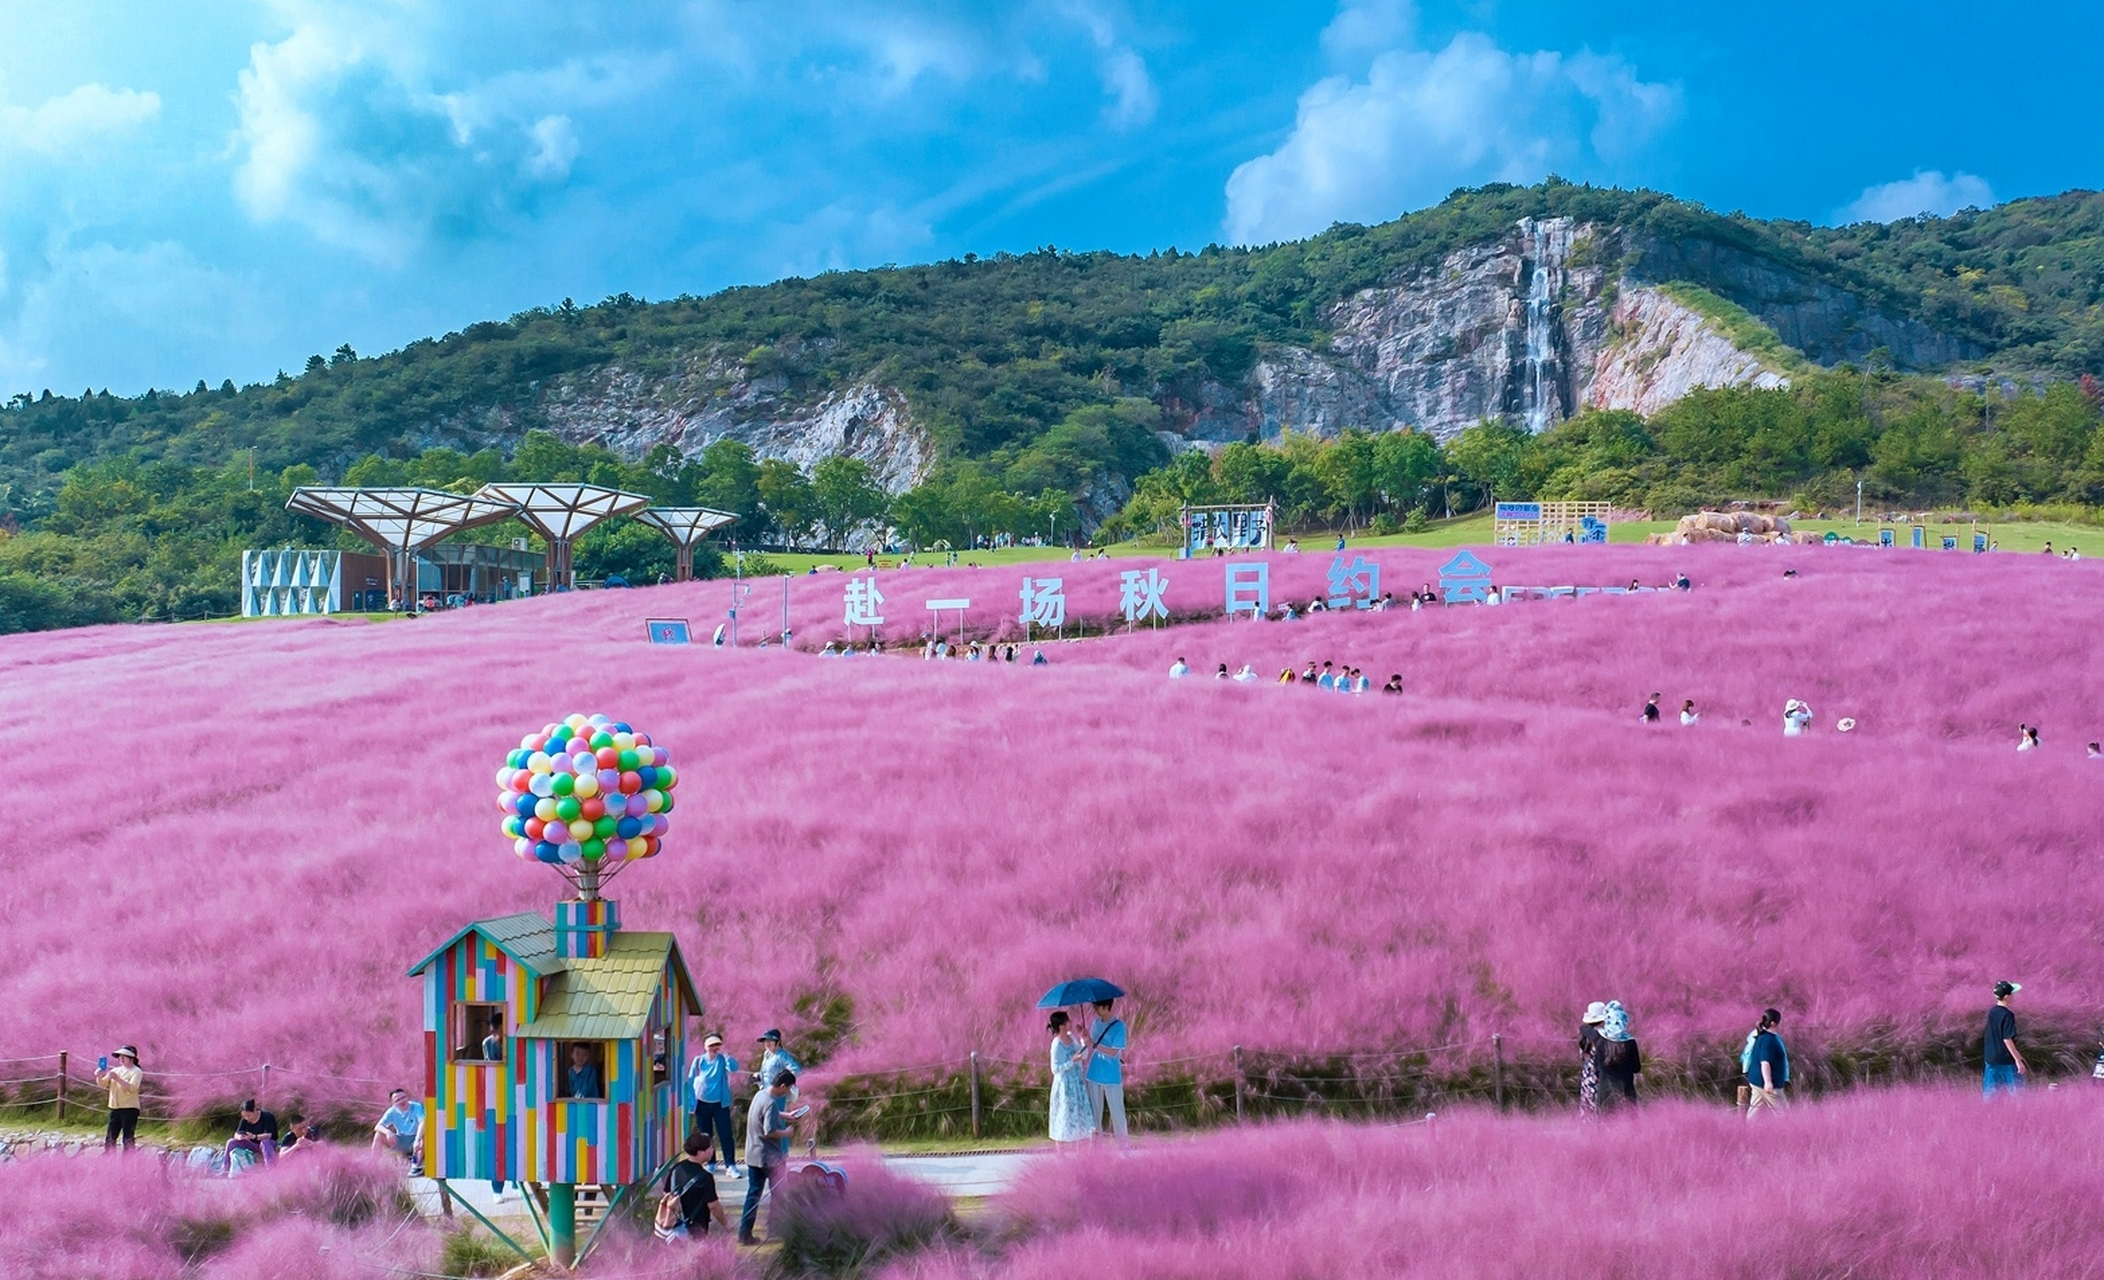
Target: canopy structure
685,526
560,513
401,522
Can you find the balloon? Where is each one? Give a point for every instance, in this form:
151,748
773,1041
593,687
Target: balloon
583,789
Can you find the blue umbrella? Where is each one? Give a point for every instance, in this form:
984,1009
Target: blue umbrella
1080,991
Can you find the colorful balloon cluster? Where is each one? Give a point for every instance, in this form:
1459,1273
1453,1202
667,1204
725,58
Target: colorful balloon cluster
588,790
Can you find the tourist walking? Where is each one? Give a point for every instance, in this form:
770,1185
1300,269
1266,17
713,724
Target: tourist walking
1106,1068
690,1199
1071,1120
1767,1065
1651,709
1620,1060
1589,1046
122,1079
1688,714
767,1129
709,1080
2004,1068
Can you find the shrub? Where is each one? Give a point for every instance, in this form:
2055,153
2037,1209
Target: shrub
837,1230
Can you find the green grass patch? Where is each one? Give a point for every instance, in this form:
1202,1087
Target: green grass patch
1735,322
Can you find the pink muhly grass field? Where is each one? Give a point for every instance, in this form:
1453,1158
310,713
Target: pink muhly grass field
1904,1183
235,840
330,1215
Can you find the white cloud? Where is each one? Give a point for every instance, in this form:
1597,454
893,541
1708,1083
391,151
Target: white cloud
1368,26
1928,191
344,132
59,127
1418,124
1119,66
555,147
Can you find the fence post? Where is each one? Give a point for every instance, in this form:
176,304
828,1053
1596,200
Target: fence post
975,1093
1238,1083
62,1086
263,1098
1497,1043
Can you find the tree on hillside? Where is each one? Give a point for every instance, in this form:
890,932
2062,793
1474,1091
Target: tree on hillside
845,493
790,502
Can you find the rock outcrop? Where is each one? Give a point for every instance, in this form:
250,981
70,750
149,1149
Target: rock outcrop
1530,328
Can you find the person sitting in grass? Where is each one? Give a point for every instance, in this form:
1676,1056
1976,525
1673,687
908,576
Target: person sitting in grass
304,1134
400,1130
1394,685
255,1138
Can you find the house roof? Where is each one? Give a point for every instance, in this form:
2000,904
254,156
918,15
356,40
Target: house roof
608,998
528,938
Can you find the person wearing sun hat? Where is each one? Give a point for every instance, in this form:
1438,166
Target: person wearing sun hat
710,1079
1589,1044
122,1078
2005,1068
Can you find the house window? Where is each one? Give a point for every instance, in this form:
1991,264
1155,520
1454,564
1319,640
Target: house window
476,1032
583,1074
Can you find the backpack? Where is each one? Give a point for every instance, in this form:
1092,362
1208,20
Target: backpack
670,1213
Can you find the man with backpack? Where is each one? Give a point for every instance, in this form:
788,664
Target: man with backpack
1766,1065
689,1199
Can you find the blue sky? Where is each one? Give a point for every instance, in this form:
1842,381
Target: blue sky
220,188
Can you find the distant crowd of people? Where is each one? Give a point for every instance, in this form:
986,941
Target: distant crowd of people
1330,677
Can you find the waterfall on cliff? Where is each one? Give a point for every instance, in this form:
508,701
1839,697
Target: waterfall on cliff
1544,369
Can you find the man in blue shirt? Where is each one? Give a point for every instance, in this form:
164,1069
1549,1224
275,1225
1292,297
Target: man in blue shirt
1106,1070
709,1081
401,1127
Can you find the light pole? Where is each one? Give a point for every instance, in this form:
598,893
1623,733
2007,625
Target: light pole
1859,502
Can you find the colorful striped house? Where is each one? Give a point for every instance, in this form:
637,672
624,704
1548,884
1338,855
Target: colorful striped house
552,1050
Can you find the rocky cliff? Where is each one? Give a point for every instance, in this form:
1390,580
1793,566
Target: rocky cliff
1553,317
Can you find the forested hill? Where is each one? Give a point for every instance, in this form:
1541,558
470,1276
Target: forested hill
988,358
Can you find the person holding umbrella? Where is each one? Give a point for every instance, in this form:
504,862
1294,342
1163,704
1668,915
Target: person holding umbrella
1106,1069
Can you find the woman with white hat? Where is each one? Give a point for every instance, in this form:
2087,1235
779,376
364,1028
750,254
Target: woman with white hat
1589,1045
122,1079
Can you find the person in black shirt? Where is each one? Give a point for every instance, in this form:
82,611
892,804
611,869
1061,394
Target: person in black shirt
2005,1067
256,1133
689,1179
1620,1060
1651,709
303,1133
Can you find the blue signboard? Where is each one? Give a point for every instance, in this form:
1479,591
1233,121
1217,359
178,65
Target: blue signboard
1464,579
1884,537
1518,511
1592,529
1919,535
1979,543
668,631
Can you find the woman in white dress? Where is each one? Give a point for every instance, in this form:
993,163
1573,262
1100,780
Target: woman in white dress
1071,1121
